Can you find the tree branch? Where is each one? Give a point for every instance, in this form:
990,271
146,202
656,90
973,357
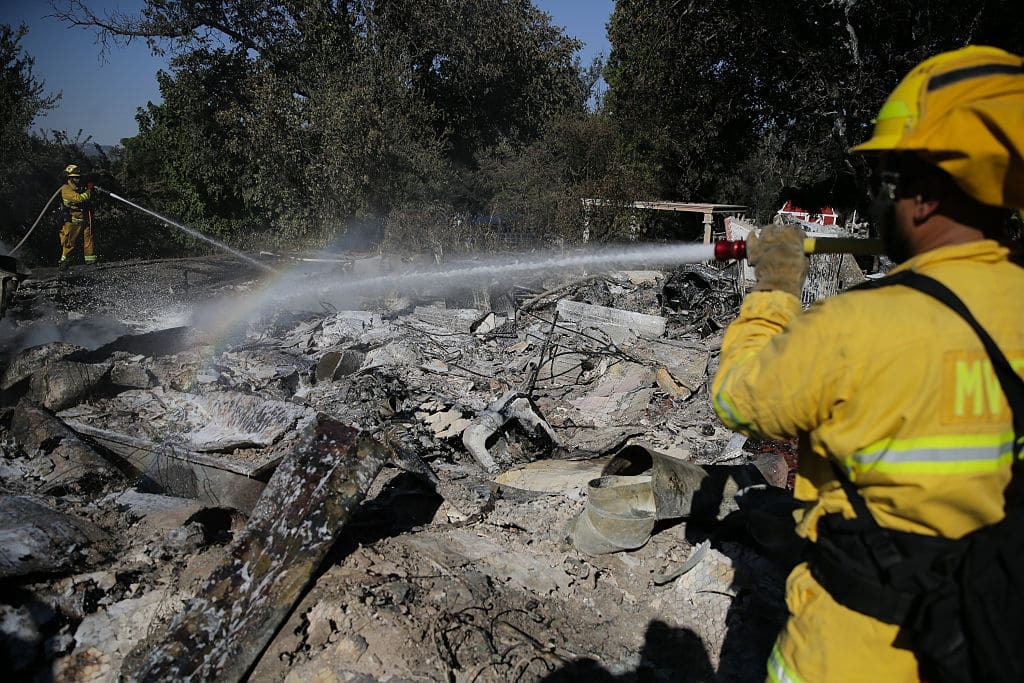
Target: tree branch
118,27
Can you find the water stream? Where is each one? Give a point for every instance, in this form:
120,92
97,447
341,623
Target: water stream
191,231
305,285
308,286
531,264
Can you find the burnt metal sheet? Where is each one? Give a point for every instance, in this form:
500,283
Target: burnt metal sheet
180,472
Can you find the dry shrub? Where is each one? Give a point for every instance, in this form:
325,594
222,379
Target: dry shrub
437,228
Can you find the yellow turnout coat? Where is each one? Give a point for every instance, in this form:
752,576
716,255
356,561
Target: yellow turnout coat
898,390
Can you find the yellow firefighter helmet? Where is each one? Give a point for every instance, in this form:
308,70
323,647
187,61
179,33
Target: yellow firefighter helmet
962,111
71,171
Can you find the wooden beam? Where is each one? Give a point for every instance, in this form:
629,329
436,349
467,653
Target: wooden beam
687,207
224,630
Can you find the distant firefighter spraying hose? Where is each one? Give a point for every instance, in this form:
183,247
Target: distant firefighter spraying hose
190,231
76,201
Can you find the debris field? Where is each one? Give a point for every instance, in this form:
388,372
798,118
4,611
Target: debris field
386,490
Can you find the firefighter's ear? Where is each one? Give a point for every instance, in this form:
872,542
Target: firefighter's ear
925,187
925,207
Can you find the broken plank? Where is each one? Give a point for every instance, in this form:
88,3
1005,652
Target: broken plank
126,443
222,633
458,320
603,317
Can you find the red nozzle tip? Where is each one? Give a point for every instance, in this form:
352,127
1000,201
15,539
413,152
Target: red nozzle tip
730,249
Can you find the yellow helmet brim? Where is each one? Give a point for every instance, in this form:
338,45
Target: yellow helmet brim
962,111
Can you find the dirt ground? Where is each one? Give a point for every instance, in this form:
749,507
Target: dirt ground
449,569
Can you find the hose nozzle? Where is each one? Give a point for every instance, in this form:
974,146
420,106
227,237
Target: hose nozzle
737,249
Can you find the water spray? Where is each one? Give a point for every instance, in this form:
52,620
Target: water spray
647,255
611,257
190,231
309,287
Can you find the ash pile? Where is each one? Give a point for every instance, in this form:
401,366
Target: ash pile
519,481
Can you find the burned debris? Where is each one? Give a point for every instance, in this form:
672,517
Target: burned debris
508,485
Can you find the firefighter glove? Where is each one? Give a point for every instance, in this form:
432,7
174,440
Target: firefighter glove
777,255
89,187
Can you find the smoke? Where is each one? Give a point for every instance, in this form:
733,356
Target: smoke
359,235
89,333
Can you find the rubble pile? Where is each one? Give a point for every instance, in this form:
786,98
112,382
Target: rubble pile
384,493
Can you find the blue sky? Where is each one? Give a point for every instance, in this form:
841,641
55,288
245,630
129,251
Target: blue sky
100,96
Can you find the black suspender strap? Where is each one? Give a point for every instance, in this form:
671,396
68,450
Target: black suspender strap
881,572
1010,381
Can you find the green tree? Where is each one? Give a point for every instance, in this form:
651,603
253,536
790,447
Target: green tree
22,97
736,100
579,156
30,171
294,118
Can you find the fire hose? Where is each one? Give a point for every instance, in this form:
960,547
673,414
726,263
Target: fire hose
38,218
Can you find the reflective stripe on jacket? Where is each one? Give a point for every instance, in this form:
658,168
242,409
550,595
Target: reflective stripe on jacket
892,385
75,202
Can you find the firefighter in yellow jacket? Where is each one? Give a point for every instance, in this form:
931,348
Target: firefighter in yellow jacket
77,217
888,384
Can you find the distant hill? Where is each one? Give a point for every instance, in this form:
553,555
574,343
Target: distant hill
95,151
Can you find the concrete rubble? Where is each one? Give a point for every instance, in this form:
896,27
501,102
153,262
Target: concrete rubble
381,492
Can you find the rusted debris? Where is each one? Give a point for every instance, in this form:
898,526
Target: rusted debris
307,501
620,514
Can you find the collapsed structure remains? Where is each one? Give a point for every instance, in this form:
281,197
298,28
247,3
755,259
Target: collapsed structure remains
405,489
